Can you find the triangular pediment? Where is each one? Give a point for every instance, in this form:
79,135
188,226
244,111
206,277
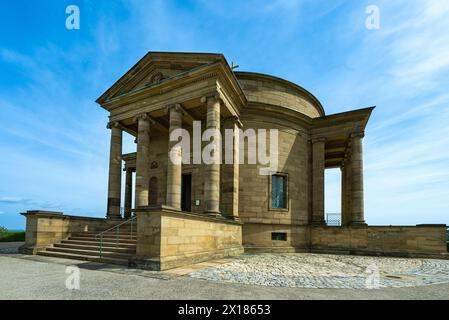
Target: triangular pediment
155,68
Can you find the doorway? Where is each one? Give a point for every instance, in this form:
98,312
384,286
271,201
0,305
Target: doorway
186,192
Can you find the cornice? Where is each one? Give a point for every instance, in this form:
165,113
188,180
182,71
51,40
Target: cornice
353,115
279,113
180,81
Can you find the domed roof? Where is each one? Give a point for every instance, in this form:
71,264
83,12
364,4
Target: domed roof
267,89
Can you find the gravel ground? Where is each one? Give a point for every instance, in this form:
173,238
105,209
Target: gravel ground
304,270
37,277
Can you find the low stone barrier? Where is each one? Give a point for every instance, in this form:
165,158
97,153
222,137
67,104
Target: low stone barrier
168,238
44,228
407,241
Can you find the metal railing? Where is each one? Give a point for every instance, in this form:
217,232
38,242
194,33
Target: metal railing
117,233
333,219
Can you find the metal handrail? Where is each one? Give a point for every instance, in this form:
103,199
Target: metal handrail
117,233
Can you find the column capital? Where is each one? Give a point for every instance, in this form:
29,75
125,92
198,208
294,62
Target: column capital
357,135
113,124
319,139
234,120
144,116
215,96
177,106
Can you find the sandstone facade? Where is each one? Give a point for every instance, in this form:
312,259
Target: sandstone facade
192,212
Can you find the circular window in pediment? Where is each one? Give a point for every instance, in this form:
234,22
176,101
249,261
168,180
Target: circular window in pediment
157,77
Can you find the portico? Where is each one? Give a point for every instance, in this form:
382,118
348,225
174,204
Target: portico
209,94
144,161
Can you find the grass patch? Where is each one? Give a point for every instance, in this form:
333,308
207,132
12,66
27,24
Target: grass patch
12,236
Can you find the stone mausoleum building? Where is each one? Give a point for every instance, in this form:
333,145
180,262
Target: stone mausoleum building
162,214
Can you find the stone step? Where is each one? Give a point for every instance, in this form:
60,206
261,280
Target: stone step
97,242
111,230
82,252
130,250
104,239
108,230
65,255
106,235
85,246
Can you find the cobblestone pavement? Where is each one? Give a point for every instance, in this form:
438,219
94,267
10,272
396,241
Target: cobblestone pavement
39,277
305,270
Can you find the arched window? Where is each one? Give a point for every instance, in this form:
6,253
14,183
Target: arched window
153,192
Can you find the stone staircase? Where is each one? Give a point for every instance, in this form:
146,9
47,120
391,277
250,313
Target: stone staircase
85,246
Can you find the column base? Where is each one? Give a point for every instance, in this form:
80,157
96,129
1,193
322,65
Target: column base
113,217
357,224
215,214
172,208
231,217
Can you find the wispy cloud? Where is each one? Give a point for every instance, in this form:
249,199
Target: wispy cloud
29,202
419,46
54,135
403,69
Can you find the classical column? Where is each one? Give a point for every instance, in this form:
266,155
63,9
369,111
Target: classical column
128,192
212,171
318,146
115,171
345,191
174,166
344,220
348,189
230,168
357,211
142,160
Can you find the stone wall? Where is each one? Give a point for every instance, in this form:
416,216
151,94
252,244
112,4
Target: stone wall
258,238
45,228
168,239
255,210
422,240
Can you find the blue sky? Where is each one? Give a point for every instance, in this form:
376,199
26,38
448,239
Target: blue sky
54,144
